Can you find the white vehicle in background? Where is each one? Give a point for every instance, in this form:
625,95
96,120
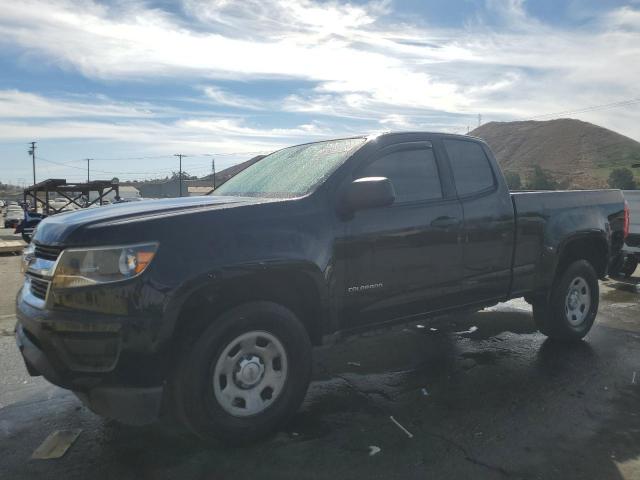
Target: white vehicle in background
12,217
61,204
631,248
12,208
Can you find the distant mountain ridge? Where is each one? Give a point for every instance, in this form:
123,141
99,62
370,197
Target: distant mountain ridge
224,175
577,153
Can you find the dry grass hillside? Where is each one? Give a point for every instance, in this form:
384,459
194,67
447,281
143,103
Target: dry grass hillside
577,153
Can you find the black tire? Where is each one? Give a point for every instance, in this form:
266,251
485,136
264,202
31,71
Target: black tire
629,266
551,312
192,385
616,266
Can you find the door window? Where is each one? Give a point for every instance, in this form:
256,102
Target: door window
413,173
471,169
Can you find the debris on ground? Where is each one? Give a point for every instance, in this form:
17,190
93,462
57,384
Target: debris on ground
354,364
433,330
56,444
424,392
373,450
11,246
633,379
409,434
471,330
419,325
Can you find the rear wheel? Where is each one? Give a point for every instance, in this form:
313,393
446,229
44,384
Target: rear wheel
629,266
569,311
246,374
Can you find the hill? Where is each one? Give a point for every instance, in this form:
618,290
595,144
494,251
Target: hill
577,153
224,175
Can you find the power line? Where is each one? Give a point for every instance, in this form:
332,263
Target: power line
151,157
67,165
592,108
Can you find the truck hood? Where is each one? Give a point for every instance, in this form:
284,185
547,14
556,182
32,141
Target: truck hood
53,230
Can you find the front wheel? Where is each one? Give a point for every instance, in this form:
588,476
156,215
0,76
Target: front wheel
246,374
569,311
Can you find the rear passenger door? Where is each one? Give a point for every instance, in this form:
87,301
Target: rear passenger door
488,231
407,255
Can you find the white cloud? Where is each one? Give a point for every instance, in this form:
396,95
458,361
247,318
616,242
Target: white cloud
17,104
222,97
230,127
364,65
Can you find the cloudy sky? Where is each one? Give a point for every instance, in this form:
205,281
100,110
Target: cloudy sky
130,83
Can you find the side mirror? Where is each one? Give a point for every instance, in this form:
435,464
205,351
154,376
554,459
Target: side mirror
367,192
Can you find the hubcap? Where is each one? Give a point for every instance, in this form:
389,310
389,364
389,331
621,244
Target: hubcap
250,371
250,374
578,301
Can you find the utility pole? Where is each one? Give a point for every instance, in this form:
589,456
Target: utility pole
32,152
213,167
88,160
479,119
180,155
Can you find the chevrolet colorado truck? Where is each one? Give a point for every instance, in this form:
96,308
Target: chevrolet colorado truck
207,308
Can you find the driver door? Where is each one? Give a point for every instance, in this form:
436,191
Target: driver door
403,259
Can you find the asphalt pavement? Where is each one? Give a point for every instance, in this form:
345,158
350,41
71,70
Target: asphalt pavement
481,396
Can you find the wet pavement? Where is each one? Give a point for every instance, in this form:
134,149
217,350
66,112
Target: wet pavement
495,401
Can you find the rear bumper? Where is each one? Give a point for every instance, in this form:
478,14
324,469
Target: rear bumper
632,241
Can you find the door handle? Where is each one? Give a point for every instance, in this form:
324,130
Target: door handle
445,222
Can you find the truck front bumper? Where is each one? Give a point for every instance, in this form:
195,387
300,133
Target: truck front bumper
94,360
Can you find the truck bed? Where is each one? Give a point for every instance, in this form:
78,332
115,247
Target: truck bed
547,219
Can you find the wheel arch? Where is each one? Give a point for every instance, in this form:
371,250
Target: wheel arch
592,247
298,289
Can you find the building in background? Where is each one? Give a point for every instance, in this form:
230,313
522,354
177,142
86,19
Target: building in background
127,192
190,187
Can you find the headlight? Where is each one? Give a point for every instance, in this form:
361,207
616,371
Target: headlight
78,267
28,254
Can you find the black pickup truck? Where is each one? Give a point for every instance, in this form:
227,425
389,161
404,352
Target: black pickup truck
208,307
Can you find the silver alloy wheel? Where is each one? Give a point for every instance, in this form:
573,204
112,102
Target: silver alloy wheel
250,374
577,301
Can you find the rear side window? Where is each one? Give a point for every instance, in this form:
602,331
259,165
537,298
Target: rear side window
413,173
471,169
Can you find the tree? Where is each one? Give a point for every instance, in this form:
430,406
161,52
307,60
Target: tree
541,179
622,178
513,180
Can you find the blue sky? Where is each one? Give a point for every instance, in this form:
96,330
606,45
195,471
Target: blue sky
130,83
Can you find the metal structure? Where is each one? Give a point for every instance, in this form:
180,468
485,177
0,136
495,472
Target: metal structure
72,192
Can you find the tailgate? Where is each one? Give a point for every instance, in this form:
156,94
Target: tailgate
633,199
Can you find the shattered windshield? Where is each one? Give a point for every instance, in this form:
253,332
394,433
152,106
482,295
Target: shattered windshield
291,172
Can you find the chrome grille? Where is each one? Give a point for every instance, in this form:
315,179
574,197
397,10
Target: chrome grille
47,252
39,288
